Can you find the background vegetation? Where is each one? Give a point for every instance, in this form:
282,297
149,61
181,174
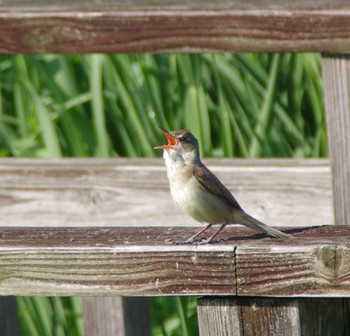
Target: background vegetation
243,105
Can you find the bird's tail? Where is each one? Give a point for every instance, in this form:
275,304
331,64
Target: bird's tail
247,220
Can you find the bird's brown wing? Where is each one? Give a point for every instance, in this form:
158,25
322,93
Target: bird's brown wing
212,184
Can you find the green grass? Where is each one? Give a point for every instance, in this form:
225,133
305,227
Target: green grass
109,105
243,105
50,316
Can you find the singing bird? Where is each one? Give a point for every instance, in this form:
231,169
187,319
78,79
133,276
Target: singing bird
198,192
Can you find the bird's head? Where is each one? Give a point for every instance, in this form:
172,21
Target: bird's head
182,145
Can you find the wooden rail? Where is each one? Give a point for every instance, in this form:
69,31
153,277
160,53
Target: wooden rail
147,261
99,261
135,192
40,26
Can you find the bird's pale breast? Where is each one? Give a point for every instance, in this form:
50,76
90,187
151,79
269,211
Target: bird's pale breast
198,203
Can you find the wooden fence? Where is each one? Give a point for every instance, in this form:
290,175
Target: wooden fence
264,286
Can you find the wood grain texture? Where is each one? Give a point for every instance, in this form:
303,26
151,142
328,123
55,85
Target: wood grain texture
146,261
126,192
116,316
106,261
270,316
43,26
219,316
295,267
336,74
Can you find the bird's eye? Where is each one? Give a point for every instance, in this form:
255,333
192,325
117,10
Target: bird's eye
182,139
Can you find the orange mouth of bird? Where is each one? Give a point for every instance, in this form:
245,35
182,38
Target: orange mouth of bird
172,141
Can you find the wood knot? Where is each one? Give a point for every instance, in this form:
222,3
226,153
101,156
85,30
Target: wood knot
330,261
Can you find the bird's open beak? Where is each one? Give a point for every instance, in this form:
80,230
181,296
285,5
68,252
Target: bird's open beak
172,141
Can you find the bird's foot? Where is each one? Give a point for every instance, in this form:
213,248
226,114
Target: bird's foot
185,242
210,240
202,241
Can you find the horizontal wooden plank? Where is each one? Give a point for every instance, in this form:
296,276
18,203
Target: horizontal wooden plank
40,26
135,192
146,261
301,268
88,261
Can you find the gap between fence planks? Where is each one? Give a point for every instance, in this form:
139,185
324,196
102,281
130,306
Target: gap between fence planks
42,26
145,261
135,192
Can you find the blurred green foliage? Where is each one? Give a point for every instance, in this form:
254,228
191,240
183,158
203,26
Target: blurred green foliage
244,105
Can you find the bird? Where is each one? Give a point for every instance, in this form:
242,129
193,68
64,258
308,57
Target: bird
199,193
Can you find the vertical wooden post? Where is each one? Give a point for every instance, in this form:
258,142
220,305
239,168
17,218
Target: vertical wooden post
336,75
8,316
116,316
242,316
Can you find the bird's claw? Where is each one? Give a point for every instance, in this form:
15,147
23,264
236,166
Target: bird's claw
185,242
202,241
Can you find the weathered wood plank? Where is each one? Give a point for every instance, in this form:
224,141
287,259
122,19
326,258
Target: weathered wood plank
307,269
219,316
336,74
43,26
116,316
73,261
145,261
265,316
120,192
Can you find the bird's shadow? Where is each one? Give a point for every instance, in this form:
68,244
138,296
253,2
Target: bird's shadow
256,236
262,235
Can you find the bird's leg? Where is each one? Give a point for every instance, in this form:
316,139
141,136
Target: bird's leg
210,239
192,238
